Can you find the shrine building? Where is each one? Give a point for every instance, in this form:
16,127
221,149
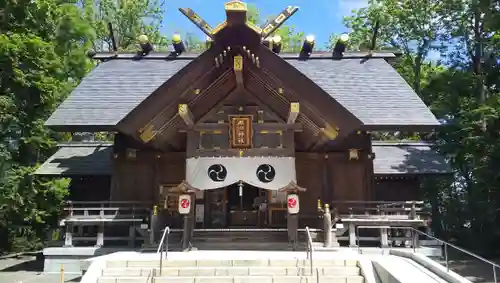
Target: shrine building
241,127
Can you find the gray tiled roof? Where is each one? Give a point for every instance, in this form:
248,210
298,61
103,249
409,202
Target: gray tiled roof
390,158
371,89
113,89
407,158
79,159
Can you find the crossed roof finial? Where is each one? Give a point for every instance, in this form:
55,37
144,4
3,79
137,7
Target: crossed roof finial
236,14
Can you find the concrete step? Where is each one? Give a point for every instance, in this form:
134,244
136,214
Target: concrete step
236,279
229,263
232,271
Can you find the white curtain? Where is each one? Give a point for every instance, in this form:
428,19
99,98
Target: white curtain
272,173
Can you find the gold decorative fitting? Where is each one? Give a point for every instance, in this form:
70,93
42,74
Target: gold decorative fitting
240,108
131,153
183,108
242,153
353,154
359,132
147,133
330,132
220,122
238,63
197,91
280,90
217,132
264,132
235,6
219,27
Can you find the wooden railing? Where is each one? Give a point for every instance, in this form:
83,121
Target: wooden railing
81,214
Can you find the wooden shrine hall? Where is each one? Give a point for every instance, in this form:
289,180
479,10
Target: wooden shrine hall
244,130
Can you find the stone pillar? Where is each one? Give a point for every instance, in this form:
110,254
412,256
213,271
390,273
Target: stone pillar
327,226
100,235
352,235
68,238
384,239
152,225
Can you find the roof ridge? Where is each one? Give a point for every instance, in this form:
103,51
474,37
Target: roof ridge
401,143
85,144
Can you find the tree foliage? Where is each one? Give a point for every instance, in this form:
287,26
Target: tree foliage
43,47
462,90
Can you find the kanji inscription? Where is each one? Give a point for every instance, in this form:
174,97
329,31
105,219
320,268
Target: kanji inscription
241,132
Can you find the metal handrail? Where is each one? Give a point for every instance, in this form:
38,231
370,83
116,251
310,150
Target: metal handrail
446,244
163,243
310,249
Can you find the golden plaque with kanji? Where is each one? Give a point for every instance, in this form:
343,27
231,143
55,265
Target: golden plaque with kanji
241,132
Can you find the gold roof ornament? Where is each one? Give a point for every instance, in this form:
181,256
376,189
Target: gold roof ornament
236,6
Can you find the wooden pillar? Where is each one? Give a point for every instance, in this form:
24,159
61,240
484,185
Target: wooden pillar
131,236
292,227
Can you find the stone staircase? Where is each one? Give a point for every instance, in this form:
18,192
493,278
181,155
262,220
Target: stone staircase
231,271
239,239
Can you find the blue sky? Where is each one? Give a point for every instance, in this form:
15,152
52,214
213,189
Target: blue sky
318,17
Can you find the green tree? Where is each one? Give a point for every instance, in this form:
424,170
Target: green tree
130,18
42,56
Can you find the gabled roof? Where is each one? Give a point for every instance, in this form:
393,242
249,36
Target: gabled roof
371,89
393,158
111,90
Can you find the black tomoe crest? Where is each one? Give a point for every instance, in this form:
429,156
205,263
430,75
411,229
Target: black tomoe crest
266,173
217,172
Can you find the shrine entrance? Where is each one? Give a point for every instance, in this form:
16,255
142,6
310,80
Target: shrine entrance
237,205
244,201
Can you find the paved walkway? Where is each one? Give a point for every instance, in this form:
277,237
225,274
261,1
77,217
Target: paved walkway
26,270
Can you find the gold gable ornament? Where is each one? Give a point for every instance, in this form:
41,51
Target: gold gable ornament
236,6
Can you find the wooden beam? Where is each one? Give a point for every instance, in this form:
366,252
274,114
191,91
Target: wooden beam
186,115
238,69
242,153
208,127
198,21
293,113
271,26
